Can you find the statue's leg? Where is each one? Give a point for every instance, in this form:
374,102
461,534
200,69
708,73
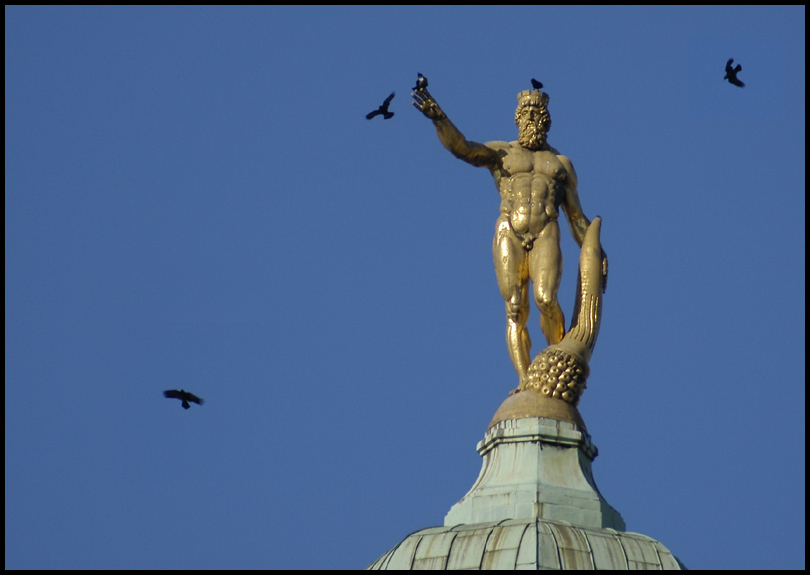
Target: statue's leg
512,273
545,269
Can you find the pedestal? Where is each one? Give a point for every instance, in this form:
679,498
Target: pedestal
536,467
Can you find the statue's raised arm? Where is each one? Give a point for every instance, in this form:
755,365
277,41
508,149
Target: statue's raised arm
450,136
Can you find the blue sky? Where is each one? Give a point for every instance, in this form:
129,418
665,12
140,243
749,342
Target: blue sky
195,200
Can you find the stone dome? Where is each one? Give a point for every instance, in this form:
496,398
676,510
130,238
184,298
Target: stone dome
535,505
525,544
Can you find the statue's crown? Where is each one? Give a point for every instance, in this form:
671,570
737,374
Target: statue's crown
532,98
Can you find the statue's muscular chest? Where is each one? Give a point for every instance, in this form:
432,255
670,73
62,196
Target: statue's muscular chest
529,178
531,186
542,163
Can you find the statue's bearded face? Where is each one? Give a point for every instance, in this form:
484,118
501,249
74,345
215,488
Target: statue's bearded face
533,125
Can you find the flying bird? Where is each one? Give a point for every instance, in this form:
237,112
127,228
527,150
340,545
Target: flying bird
382,109
537,85
731,73
421,82
183,395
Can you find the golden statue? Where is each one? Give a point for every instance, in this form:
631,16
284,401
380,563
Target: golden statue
534,181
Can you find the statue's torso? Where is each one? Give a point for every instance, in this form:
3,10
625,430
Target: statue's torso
531,184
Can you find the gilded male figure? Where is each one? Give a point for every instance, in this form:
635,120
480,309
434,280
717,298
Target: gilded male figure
534,181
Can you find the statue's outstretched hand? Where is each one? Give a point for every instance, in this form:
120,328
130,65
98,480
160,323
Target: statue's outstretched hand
425,103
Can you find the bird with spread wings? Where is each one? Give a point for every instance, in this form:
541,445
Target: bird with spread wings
185,396
731,73
382,109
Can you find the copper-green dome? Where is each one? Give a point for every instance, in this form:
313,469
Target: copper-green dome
525,544
535,505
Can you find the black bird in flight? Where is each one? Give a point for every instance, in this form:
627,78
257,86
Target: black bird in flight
184,395
382,109
537,85
421,82
731,73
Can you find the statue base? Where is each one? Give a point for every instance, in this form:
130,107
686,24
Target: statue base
536,467
530,403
